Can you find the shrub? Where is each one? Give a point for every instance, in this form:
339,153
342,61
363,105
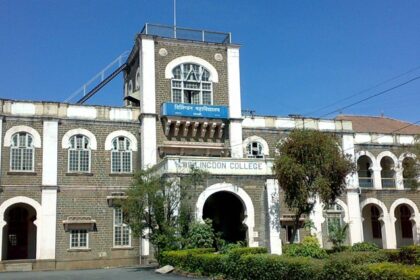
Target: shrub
346,265
226,248
308,248
181,258
200,235
365,247
206,264
267,267
391,271
233,256
409,255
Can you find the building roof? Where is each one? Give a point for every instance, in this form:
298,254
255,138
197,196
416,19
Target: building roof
376,124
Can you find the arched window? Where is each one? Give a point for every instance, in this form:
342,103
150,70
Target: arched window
376,224
406,224
79,154
22,152
255,149
121,160
191,84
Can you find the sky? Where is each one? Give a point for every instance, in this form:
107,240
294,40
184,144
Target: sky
297,57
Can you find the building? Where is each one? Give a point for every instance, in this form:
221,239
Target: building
63,165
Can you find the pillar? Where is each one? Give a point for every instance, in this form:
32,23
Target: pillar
273,203
48,216
235,109
317,219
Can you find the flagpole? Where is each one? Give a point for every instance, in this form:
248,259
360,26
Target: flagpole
174,18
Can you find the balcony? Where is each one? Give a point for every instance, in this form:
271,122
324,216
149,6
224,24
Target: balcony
388,183
365,182
410,184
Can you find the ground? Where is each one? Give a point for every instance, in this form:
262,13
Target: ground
95,274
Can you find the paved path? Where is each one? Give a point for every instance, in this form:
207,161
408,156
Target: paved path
94,274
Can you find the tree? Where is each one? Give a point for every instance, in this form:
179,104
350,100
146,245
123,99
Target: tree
310,164
411,165
156,206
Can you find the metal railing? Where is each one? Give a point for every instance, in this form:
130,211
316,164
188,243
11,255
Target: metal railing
182,33
365,182
388,183
99,77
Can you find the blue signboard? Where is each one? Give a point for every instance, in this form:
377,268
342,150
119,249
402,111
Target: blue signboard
194,110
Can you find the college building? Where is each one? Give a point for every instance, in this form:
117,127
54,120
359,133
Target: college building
63,166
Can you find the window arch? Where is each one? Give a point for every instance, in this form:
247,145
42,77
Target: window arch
191,84
121,155
79,153
22,152
255,147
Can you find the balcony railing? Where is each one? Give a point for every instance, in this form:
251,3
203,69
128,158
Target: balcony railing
388,183
365,182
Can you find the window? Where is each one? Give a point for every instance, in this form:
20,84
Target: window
289,231
334,215
191,84
121,159
255,150
121,230
376,224
79,239
22,152
79,154
406,225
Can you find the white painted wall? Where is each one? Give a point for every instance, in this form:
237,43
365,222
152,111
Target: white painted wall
147,79
81,112
49,153
235,134
1,139
234,82
120,114
354,217
317,217
23,109
47,227
273,201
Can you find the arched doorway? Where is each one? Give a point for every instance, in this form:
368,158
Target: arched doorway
19,233
404,226
226,211
373,224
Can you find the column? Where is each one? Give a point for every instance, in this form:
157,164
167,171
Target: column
148,114
273,203
317,219
399,179
389,237
235,109
377,178
1,148
353,201
355,216
48,215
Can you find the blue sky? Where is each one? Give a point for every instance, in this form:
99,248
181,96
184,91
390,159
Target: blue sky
296,56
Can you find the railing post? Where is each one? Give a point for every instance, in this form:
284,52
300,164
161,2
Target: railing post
202,35
146,27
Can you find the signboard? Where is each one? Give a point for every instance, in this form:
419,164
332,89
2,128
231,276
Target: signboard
223,166
194,110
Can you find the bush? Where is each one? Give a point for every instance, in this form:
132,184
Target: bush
267,267
200,235
206,264
226,248
346,265
365,247
181,258
409,255
391,271
308,248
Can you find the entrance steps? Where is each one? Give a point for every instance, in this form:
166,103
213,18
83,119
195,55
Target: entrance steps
18,265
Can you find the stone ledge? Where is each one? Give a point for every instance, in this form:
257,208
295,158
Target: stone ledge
122,248
30,173
121,174
79,250
78,174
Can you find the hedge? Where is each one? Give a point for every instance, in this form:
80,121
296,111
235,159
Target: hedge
255,264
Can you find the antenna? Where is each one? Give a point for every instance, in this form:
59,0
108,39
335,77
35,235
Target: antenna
174,18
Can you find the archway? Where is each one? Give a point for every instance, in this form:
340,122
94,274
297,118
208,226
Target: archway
373,225
405,227
227,213
19,232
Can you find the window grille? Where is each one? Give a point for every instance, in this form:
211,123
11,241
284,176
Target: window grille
22,152
121,156
191,84
79,238
121,230
79,154
255,150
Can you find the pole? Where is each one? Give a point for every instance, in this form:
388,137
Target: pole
174,18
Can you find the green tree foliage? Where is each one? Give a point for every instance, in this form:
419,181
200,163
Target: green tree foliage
155,207
411,166
200,235
310,164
